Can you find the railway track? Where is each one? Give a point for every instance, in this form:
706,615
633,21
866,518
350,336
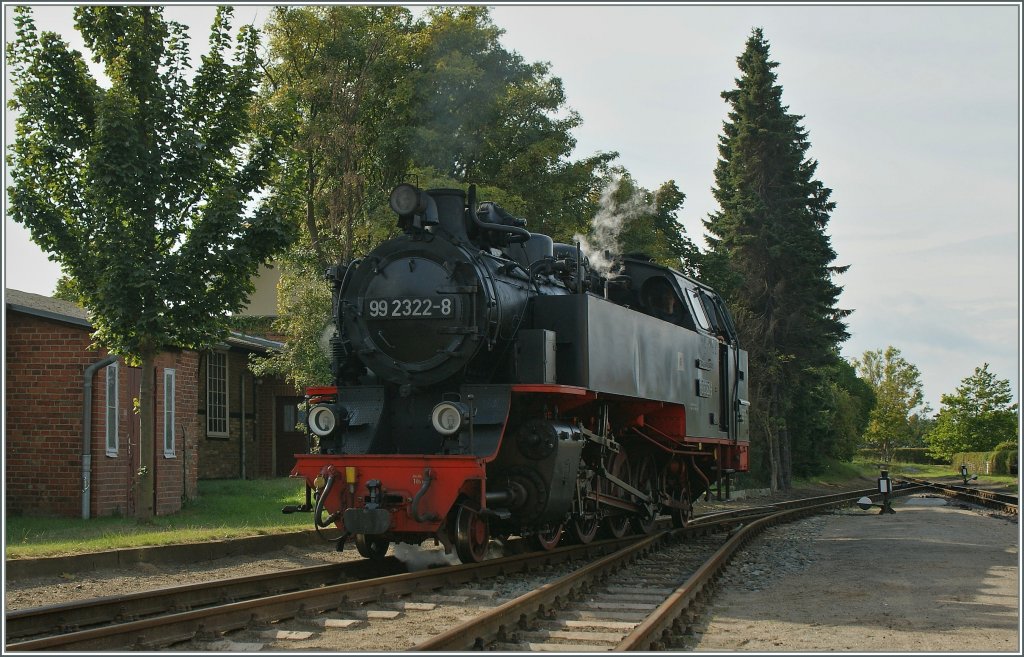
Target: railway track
1002,502
643,597
307,596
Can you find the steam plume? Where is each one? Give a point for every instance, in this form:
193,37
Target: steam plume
416,558
602,244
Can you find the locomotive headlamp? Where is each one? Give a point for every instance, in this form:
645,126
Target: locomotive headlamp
448,417
406,199
322,420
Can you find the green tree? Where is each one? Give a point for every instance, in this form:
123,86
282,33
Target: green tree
652,224
834,404
337,82
769,254
486,116
67,289
371,99
142,190
896,384
978,417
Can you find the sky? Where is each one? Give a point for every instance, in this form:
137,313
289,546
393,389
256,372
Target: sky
912,111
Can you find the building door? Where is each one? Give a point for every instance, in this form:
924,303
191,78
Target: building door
288,441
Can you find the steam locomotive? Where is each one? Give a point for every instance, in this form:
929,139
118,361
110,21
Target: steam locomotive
489,382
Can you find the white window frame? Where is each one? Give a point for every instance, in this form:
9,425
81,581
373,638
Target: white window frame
169,417
217,425
111,408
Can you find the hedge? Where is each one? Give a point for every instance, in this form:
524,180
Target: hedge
999,461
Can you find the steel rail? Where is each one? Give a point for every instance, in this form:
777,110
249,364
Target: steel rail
650,634
83,614
476,633
159,632
1003,502
136,613
77,615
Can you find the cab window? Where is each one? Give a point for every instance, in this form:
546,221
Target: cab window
698,309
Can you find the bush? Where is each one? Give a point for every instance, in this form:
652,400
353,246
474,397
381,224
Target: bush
1004,457
1002,460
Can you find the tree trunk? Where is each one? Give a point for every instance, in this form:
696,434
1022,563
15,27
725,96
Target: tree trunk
147,469
785,460
773,439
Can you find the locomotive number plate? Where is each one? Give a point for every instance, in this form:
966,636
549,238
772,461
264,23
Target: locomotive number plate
411,308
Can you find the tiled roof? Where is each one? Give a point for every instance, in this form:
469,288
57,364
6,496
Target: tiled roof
37,304
66,311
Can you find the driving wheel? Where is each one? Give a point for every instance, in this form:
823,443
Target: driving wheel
646,480
372,547
616,524
548,538
471,535
586,519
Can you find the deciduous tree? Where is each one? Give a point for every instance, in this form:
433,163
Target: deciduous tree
898,397
979,416
338,83
143,190
371,99
486,116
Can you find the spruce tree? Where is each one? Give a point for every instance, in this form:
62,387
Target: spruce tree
769,253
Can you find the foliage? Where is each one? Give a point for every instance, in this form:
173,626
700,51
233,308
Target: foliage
67,289
142,191
1004,457
978,417
898,392
979,463
834,405
630,219
337,82
486,116
443,104
139,190
770,256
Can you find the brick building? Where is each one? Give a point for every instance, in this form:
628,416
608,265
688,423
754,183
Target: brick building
213,418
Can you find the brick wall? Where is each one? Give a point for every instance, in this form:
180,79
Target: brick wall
45,362
45,366
221,457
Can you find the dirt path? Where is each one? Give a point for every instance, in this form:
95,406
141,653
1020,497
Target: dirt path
933,577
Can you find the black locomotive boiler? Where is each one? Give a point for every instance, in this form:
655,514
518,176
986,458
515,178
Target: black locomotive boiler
488,383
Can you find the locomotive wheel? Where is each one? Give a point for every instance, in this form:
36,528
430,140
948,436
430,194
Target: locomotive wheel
646,479
586,521
680,517
471,535
616,526
372,547
548,538
583,530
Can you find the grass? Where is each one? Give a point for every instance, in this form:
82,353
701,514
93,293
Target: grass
943,472
224,509
235,508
